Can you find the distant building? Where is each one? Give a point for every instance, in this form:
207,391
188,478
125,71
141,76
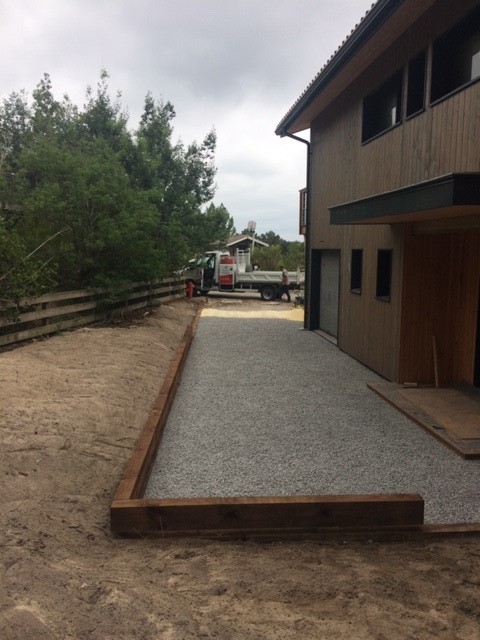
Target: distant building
391,212
243,243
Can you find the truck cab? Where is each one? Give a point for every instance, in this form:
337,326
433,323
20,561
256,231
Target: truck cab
203,271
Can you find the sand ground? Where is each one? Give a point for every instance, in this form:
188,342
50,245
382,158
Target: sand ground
72,407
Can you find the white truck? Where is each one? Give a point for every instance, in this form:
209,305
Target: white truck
219,271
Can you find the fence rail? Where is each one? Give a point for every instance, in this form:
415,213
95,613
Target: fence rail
53,312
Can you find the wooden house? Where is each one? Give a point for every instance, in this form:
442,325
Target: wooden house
243,242
392,204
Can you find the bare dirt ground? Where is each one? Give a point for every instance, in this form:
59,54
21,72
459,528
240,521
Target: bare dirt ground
72,407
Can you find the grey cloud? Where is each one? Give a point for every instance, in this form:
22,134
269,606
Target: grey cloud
237,65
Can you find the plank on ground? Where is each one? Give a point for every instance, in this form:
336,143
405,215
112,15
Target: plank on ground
251,514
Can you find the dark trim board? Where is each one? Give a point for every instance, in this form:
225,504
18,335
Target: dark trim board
439,197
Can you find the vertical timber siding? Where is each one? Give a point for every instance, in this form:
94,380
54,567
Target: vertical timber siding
444,138
441,276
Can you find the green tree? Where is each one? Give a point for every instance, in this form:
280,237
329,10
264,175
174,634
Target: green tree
15,115
14,126
96,202
269,258
214,225
21,274
272,238
74,177
111,227
49,116
104,118
180,181
295,255
288,254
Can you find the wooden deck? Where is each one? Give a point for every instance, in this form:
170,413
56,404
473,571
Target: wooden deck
450,414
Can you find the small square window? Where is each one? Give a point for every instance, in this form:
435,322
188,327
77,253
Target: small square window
356,265
384,274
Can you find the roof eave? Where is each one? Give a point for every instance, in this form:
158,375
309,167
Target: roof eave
454,194
374,19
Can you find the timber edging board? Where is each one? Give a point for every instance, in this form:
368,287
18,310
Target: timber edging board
276,517
135,478
271,517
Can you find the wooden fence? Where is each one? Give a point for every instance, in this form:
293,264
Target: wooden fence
53,312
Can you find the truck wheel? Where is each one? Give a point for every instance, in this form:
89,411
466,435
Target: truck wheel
268,292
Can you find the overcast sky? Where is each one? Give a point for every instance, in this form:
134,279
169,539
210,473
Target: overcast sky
233,65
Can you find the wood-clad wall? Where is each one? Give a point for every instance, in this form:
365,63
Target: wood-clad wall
441,281
444,138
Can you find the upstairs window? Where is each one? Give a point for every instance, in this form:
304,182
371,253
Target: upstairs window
356,266
416,84
384,274
456,57
382,108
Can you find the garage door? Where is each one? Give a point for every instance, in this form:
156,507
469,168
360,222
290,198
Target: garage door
329,283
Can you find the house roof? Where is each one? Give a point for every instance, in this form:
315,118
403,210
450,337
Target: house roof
244,238
450,196
381,25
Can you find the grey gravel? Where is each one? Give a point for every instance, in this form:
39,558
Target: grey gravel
265,408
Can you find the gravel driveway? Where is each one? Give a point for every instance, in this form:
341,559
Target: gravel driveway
266,408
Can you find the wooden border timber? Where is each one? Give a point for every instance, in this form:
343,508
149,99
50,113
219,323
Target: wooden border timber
271,517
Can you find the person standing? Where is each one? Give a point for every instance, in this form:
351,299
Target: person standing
285,286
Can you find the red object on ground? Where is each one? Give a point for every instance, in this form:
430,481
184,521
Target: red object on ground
189,289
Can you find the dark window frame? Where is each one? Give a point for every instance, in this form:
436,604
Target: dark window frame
383,285
455,52
379,106
416,85
452,53
356,271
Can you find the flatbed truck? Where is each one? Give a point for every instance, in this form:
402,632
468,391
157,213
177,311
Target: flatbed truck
219,271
